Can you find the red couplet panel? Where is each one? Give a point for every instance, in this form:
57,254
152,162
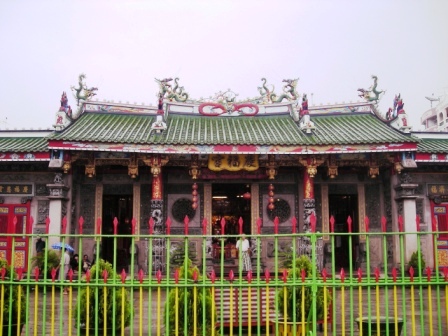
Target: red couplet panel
440,212
14,222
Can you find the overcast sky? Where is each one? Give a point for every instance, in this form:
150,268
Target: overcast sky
333,46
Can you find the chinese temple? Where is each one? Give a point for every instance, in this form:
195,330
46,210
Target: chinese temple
269,164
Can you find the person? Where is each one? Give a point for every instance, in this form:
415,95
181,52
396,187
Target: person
40,245
65,265
85,263
74,263
244,246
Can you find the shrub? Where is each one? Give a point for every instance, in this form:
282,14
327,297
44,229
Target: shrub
96,300
185,294
413,262
301,262
53,261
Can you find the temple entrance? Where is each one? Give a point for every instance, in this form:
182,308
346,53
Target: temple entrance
120,207
231,201
341,207
230,205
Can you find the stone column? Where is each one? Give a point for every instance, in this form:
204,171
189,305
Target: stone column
57,207
406,193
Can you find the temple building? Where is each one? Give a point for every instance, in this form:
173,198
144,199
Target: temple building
270,164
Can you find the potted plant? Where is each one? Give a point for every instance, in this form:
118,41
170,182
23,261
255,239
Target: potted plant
10,303
186,294
53,261
95,306
303,315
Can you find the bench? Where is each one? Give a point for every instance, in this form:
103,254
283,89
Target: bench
234,305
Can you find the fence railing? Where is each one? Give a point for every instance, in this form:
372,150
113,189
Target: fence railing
201,295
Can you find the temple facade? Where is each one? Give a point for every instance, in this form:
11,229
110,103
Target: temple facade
270,164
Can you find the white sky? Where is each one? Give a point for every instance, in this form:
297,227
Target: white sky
332,46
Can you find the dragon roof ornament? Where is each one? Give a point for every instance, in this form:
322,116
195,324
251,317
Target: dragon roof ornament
82,93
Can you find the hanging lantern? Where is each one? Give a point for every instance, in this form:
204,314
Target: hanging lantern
271,197
194,193
246,195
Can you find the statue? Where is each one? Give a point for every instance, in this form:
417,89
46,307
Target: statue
372,94
289,91
166,91
82,92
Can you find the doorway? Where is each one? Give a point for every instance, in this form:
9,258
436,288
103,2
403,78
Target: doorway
231,201
341,208
120,207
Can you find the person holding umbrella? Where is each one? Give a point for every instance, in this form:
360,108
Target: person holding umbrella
65,261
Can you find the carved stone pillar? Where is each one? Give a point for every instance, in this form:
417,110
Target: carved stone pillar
57,207
158,253
406,193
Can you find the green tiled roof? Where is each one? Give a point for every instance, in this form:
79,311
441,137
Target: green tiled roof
23,144
433,146
259,130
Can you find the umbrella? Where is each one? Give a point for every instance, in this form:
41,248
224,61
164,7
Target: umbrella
60,246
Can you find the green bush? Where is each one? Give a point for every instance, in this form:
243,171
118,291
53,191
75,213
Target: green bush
12,290
53,261
301,262
413,262
96,300
185,294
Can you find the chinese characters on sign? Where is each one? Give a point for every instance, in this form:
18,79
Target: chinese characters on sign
16,189
437,189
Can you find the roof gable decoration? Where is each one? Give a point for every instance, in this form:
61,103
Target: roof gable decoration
306,124
395,115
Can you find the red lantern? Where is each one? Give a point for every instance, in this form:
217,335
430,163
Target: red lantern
246,195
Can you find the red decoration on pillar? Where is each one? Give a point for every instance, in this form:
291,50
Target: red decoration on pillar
383,223
140,276
176,276
223,225
259,222
168,226
64,225
213,276
133,223
186,221
400,223
332,224
267,275
98,226
115,225
249,276
204,226
14,224
47,225
349,223
294,224
80,224
123,276
428,273
159,276
240,223
151,225
276,221
394,274
313,222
